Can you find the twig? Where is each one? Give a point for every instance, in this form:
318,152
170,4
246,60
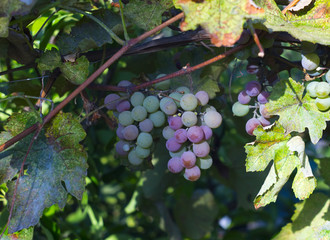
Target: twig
89,80
256,39
291,4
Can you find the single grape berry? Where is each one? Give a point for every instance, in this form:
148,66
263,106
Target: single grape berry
137,99
239,109
151,104
251,124
188,102
195,134
243,97
192,174
180,135
207,132
125,118
130,132
146,125
205,162
212,119
168,132
175,122
168,106
139,113
263,97
188,159
111,101
121,148
174,165
253,88
123,106
183,90
144,140
323,104
133,158
189,119
327,76
311,89
142,152
119,131
310,61
179,152
172,145
201,149
322,90
157,118
202,97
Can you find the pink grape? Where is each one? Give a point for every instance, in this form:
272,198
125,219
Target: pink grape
195,134
263,111
146,125
212,119
188,159
264,122
130,132
263,97
180,135
119,148
174,165
192,174
202,97
111,100
253,88
172,145
119,131
243,97
207,132
252,124
201,149
123,106
175,122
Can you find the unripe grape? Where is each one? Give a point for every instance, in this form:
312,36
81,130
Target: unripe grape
205,162
142,152
111,101
168,106
139,113
243,97
202,97
192,174
180,135
176,96
157,118
323,104
322,90
212,119
174,165
310,61
183,90
195,134
201,149
311,89
168,132
252,124
188,159
144,140
179,152
133,158
151,104
327,76
137,99
188,102
125,118
239,109
189,119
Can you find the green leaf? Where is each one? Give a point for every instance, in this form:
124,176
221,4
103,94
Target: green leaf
308,25
296,111
49,60
87,34
222,19
7,8
147,14
55,160
303,186
76,72
324,168
311,220
195,215
25,234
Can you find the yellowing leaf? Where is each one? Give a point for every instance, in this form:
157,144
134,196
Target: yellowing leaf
221,18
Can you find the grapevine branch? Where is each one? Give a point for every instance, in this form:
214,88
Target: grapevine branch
88,81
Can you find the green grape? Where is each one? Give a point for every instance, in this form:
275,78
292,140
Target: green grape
311,89
142,152
205,162
310,61
212,119
168,106
179,152
164,85
240,110
176,96
323,104
151,103
139,113
188,102
133,158
183,90
157,118
322,89
137,99
189,119
327,76
144,140
125,118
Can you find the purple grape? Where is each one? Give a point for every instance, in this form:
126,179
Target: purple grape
263,97
111,101
192,174
175,122
119,131
130,132
125,83
180,135
174,165
243,97
195,134
146,125
264,122
119,148
123,106
251,124
172,145
207,132
253,88
188,159
202,97
253,69
263,111
201,149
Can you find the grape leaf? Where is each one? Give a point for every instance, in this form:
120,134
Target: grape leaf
76,72
146,14
7,8
195,215
49,60
303,186
311,220
87,34
308,25
55,160
296,111
24,234
222,19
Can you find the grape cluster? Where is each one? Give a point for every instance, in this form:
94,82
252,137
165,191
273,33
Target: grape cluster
189,130
320,91
241,108
136,119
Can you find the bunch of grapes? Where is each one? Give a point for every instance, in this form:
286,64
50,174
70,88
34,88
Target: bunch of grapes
189,131
136,119
320,91
241,108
